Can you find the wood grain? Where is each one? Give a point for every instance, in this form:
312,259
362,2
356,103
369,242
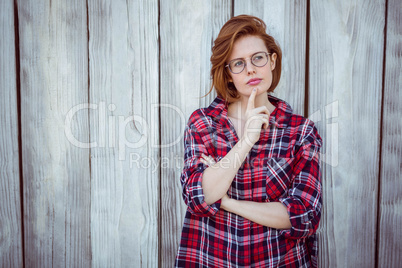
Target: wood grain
286,22
187,31
56,175
345,75
95,177
10,208
390,217
123,56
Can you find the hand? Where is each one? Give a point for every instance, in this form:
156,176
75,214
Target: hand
207,160
256,118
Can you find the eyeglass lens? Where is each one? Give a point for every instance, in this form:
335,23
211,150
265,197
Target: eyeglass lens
259,60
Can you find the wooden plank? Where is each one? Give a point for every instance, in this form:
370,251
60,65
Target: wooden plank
286,22
187,31
10,208
54,71
390,217
123,56
345,87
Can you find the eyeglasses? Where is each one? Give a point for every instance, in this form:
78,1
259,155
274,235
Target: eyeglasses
259,59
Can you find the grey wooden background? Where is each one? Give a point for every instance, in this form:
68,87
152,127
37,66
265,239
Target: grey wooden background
95,95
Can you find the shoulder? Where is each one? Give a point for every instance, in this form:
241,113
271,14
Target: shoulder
296,124
198,120
203,118
305,129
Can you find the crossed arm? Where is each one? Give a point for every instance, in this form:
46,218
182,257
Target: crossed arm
218,177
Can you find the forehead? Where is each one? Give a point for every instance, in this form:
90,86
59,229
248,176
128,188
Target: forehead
247,46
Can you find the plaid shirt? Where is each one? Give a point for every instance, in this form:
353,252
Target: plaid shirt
283,166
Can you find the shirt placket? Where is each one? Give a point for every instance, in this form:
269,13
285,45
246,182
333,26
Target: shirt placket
248,192
245,248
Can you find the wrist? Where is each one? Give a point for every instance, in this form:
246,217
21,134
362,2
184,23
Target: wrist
246,143
227,203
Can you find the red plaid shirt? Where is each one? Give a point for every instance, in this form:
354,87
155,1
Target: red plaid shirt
283,166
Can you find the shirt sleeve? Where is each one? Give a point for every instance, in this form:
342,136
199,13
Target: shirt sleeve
303,201
191,176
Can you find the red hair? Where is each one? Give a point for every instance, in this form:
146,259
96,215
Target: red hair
234,29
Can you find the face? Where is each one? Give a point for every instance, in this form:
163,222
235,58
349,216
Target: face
252,76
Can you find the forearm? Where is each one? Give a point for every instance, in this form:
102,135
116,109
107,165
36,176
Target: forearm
272,214
217,179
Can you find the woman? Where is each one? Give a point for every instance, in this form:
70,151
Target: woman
251,177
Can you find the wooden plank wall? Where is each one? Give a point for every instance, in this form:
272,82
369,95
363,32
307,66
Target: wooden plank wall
10,202
345,78
105,89
390,200
123,75
56,174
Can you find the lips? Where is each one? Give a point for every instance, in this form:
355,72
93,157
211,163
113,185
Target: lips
254,81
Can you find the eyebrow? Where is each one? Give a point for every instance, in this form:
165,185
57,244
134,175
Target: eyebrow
250,56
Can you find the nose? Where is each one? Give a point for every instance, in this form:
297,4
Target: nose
250,68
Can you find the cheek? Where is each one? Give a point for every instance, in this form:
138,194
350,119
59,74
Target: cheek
236,82
270,74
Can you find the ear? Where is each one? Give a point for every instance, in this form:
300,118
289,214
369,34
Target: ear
273,61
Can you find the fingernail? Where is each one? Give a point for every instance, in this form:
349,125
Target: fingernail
254,89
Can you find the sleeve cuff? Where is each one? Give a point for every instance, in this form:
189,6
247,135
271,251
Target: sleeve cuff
300,218
196,199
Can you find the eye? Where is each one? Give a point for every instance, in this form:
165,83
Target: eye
258,57
237,63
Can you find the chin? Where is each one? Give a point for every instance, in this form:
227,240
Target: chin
261,91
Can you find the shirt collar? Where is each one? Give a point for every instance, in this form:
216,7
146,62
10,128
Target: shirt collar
217,110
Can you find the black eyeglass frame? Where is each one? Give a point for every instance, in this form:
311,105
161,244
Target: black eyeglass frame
245,63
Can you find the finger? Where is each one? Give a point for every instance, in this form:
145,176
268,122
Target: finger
262,119
261,110
265,124
265,116
208,160
211,160
259,117
251,99
205,162
204,158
